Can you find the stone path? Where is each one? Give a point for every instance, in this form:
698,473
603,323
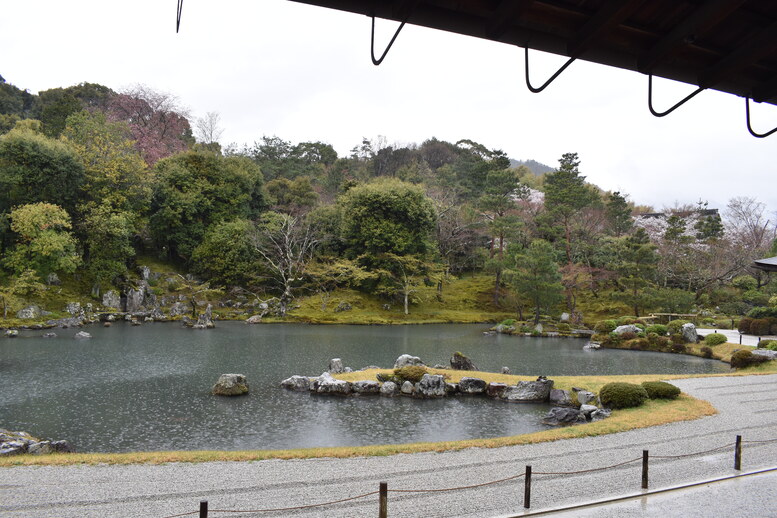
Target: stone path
747,406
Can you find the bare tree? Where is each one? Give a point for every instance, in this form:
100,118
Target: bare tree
287,246
750,232
208,129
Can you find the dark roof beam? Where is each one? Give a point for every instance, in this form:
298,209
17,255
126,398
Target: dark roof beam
613,13
766,91
759,45
700,21
506,12
402,9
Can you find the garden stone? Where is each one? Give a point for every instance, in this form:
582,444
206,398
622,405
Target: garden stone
82,335
460,362
329,385
628,328
74,308
145,272
472,385
592,346
407,387
564,317
343,306
157,315
365,387
7,451
230,385
134,300
538,328
111,299
533,391
254,319
336,366
30,312
205,320
298,383
560,397
505,370
389,388
587,410
600,414
766,353
451,388
12,333
49,335
558,416
62,447
431,385
583,396
689,333
496,390
53,279
178,309
406,359
40,448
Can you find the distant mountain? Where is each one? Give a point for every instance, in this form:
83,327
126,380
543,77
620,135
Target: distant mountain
535,167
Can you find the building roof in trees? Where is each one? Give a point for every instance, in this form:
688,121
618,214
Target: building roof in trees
769,264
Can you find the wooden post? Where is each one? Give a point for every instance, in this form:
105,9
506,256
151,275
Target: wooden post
645,457
738,454
203,509
383,506
527,488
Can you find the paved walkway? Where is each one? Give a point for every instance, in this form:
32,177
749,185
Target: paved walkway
747,405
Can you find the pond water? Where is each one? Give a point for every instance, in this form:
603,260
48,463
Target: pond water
148,387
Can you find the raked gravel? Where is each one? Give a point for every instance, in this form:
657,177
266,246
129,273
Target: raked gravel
747,406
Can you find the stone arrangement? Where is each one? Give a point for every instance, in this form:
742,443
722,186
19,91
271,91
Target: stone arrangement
20,443
569,407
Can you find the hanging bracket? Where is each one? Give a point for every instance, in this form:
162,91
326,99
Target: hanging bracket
552,78
377,62
673,108
749,127
178,16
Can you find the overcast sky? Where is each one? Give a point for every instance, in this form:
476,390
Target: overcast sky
276,67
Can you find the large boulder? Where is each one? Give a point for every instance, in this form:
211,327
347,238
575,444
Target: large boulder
407,388
205,320
298,383
560,397
336,366
326,384
496,390
766,353
254,319
405,360
52,279
134,300
628,328
365,387
469,385
112,299
584,397
460,362
30,312
559,416
689,333
530,391
389,388
431,385
230,385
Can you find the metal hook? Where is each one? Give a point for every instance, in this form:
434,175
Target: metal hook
377,62
178,16
554,76
673,108
749,127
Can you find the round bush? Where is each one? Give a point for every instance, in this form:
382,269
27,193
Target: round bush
675,326
744,325
715,339
744,358
660,390
658,329
768,344
605,326
622,395
564,328
706,352
411,373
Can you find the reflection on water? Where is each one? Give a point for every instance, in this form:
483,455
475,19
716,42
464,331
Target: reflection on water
148,387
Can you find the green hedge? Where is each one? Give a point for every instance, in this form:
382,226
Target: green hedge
660,390
715,339
622,395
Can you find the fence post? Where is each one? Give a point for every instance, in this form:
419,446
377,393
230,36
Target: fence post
645,457
383,506
203,509
527,488
738,454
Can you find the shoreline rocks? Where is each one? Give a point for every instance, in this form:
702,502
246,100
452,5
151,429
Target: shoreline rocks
21,443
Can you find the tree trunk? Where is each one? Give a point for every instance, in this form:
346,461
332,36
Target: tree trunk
497,283
407,301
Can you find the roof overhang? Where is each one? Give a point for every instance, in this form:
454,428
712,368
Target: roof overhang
767,265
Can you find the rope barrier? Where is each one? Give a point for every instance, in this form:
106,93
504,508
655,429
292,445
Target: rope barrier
514,477
692,454
586,470
759,442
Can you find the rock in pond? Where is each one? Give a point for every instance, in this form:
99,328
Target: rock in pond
336,366
326,384
406,359
230,385
469,385
365,387
389,388
82,335
560,397
254,319
49,335
558,416
11,333
460,362
407,388
530,391
496,390
299,383
431,385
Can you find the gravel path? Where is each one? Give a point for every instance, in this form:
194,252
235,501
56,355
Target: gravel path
747,406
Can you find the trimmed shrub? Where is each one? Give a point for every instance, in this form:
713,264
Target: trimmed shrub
508,322
675,326
744,358
658,329
760,326
768,344
411,373
564,328
639,344
744,325
679,348
706,352
605,326
677,338
715,339
628,335
622,395
660,390
623,321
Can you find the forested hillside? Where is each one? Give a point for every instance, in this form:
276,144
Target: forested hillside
92,179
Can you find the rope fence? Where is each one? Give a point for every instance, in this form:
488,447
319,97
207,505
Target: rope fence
527,475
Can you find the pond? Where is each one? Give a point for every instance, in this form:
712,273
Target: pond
148,387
